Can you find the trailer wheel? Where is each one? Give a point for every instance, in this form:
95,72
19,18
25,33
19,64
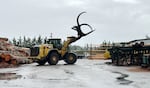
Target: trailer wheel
53,58
70,58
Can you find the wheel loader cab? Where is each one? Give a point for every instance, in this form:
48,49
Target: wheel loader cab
55,42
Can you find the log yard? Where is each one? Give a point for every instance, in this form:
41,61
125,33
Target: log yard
74,44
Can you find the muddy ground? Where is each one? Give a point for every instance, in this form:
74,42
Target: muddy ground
84,74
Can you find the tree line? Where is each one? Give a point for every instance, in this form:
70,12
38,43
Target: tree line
29,42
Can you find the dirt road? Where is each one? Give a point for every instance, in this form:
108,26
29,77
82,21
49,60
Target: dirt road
84,74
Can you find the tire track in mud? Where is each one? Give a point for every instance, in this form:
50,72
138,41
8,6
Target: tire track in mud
75,79
122,78
69,72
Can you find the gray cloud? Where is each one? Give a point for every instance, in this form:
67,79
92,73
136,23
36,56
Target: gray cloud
114,20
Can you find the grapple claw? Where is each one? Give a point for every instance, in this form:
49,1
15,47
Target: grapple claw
78,27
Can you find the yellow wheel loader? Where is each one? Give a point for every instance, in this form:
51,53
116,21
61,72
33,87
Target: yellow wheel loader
55,50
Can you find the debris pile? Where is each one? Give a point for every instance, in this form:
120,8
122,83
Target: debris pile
11,55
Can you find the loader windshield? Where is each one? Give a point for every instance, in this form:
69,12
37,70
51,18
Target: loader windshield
55,42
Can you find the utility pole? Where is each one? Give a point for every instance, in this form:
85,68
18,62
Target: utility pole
51,36
91,50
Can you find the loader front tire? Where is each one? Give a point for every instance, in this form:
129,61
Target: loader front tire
53,58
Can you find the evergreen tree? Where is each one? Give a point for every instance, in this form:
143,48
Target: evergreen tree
20,41
24,42
29,44
39,40
14,41
45,40
34,41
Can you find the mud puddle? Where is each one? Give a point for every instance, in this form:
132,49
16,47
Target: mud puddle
9,76
108,63
54,79
99,64
122,79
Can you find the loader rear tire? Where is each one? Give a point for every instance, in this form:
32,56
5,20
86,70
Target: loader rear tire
70,58
53,58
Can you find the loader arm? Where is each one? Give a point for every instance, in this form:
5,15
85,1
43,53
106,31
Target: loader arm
67,43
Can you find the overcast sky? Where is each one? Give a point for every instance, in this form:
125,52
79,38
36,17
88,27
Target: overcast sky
113,20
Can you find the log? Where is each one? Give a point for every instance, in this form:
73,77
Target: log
14,62
4,39
2,55
11,55
4,65
7,57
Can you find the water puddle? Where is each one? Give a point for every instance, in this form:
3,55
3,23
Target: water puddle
108,63
99,64
122,79
54,79
68,72
9,76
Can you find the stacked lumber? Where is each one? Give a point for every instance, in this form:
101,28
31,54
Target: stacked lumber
97,57
11,55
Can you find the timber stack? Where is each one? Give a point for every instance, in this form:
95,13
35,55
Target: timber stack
11,55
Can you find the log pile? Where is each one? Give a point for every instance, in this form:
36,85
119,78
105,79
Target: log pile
11,55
